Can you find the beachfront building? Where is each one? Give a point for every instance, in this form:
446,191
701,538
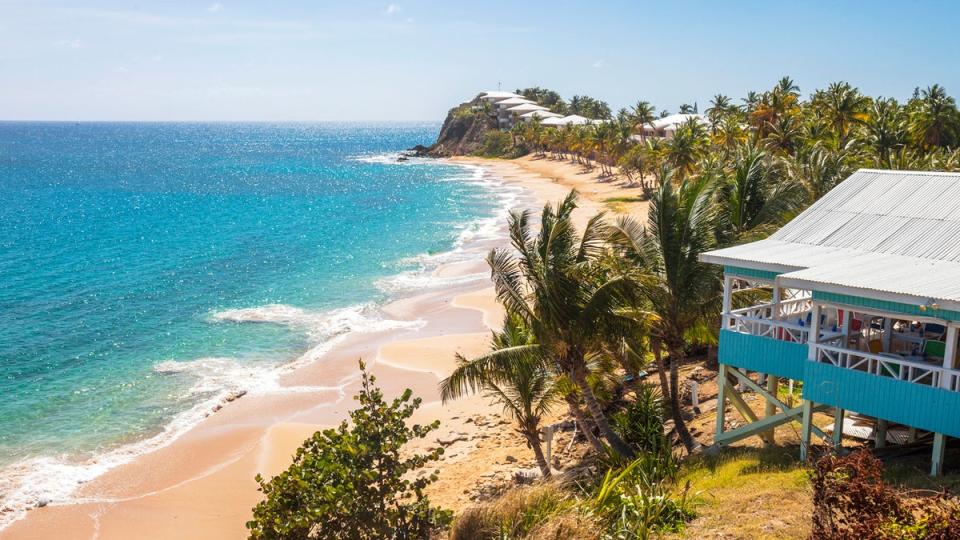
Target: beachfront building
858,298
665,127
541,114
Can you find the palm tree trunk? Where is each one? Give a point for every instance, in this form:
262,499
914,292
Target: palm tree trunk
678,421
533,439
585,426
614,440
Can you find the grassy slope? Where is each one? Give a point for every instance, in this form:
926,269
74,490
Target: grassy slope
748,493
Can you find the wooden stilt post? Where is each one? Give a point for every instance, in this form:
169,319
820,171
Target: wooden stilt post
939,445
806,424
721,397
837,428
912,435
881,433
548,440
770,408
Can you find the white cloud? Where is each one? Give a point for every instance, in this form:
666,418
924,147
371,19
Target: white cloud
599,64
392,9
409,20
215,7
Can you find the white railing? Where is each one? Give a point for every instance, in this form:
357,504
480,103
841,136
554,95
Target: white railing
903,369
759,321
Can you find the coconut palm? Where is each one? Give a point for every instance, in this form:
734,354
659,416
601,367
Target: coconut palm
557,284
885,130
687,145
843,107
514,374
681,292
755,195
720,106
818,171
642,114
934,121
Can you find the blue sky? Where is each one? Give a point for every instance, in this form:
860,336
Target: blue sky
412,60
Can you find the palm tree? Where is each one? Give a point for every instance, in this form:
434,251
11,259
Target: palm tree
885,130
720,106
818,171
843,107
687,145
514,374
754,194
681,292
934,121
642,114
559,287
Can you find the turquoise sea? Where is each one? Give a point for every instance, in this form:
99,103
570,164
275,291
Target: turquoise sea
134,255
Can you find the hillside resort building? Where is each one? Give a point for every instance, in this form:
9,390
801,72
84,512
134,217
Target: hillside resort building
858,299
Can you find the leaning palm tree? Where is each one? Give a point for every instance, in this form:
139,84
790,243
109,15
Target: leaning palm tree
681,293
514,374
558,285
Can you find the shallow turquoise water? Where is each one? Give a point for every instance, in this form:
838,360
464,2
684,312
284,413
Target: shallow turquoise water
123,247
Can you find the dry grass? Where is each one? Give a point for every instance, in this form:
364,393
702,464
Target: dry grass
748,493
544,511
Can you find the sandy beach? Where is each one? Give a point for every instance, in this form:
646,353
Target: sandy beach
202,485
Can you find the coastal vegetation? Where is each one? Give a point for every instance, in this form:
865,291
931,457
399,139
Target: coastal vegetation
815,142
355,482
589,311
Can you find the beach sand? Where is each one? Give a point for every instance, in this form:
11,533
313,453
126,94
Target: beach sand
202,485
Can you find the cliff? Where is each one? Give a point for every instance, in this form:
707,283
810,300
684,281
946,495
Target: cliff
462,131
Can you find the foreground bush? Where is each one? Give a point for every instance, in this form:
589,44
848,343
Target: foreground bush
637,501
852,501
352,483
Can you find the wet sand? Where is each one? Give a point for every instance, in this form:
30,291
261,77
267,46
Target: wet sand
202,485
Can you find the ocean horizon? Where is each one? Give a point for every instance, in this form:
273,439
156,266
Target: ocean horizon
136,257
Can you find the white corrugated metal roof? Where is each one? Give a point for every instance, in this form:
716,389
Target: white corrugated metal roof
527,107
892,232
497,94
541,114
513,101
673,120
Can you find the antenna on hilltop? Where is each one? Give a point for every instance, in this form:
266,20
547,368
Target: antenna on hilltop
498,86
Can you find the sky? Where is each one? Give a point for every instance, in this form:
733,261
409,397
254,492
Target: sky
316,60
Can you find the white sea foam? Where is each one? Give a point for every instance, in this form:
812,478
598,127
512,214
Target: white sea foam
56,478
215,380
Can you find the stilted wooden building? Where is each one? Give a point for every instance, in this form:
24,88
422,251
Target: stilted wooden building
860,302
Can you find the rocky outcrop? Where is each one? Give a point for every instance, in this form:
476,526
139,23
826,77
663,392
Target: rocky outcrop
462,131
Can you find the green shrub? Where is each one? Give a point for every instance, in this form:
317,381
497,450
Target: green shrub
351,482
636,501
640,423
495,143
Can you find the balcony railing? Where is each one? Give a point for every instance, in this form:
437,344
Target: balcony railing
759,321
890,365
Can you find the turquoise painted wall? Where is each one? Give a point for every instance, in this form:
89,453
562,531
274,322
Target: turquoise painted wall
923,407
749,272
755,353
885,305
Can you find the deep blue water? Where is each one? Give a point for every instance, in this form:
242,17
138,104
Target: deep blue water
120,243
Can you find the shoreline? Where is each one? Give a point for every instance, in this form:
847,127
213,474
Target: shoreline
203,480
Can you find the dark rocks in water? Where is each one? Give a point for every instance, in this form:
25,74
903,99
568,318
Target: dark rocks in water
419,151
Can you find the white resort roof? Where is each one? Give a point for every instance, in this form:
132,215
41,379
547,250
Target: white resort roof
513,101
545,114
553,121
527,107
674,120
576,120
893,235
497,95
